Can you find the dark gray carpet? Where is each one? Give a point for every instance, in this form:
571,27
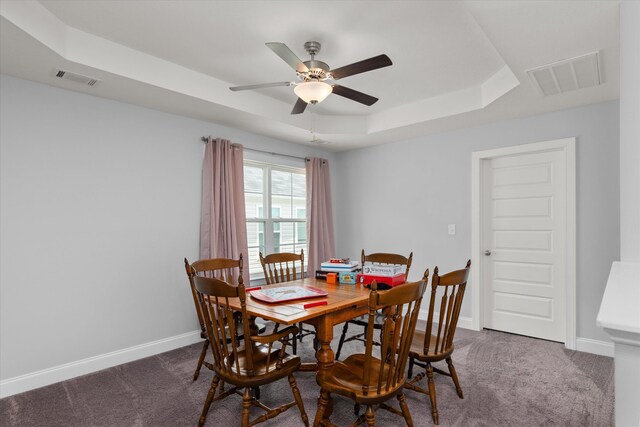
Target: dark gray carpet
508,380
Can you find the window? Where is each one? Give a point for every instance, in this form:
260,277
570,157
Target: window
281,192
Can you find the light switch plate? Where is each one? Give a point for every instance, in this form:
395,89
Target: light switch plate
452,229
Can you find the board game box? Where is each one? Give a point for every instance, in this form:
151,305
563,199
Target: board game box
286,293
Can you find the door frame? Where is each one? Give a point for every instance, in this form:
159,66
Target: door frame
478,159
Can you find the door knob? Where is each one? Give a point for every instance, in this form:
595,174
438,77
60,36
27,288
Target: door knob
487,252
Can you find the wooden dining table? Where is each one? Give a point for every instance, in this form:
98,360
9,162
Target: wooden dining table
344,302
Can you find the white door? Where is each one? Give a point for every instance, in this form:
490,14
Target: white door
524,236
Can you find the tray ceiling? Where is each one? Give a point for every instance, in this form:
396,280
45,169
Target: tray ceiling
455,64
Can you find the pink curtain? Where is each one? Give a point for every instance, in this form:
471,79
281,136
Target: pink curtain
319,214
223,229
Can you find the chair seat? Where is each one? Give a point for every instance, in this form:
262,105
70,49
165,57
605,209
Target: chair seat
417,349
346,378
263,373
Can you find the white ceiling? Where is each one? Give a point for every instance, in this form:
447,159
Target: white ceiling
455,63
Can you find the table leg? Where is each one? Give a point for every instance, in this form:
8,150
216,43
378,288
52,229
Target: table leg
254,331
312,366
325,355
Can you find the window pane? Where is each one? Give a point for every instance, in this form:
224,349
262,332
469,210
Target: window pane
290,234
253,192
255,233
288,248
281,193
281,183
253,179
301,232
281,207
256,243
286,233
299,185
285,217
254,205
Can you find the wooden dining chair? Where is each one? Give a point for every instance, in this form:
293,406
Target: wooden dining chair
435,345
245,367
371,380
285,267
228,270
375,258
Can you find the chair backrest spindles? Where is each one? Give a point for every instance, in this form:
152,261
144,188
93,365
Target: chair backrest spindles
369,340
453,286
400,307
213,297
282,267
224,269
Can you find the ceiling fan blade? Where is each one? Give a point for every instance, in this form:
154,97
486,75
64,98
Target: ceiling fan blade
260,86
288,56
374,63
354,95
299,107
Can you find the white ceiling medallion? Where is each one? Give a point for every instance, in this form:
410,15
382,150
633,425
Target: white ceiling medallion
567,75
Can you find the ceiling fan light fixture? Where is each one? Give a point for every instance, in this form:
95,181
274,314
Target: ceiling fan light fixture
313,92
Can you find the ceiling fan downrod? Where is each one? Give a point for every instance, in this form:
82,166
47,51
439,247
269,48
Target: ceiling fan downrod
318,70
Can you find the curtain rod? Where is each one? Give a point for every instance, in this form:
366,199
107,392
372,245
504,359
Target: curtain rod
205,139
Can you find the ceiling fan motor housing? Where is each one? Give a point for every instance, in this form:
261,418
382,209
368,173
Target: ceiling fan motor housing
318,70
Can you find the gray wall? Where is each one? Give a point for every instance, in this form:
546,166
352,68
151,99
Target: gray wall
400,197
100,203
629,131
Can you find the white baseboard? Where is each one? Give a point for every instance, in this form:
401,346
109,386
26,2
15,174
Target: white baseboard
588,345
466,323
67,371
463,322
64,372
602,348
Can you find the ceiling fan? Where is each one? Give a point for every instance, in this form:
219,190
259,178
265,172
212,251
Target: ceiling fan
317,80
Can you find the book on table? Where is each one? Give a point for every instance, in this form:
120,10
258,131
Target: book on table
337,267
322,274
340,260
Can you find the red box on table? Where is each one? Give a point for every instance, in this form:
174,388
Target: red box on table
391,281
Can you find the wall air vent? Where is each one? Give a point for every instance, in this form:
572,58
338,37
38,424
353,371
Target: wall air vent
77,78
566,75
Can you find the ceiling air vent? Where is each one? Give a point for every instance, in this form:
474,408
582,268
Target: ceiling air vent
566,75
77,78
